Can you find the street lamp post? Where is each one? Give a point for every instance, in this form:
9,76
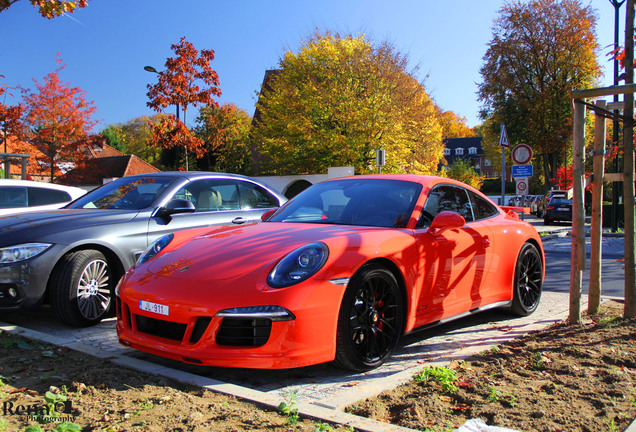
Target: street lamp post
153,70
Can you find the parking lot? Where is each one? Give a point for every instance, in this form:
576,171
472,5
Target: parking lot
324,386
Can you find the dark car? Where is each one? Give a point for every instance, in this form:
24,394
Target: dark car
74,257
541,206
558,209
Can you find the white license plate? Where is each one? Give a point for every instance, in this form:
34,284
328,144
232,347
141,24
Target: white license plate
154,307
563,209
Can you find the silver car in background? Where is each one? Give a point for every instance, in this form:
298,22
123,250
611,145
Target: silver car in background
74,257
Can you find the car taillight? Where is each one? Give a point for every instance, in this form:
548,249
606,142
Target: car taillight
549,208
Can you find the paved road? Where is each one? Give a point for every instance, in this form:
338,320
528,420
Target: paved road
329,387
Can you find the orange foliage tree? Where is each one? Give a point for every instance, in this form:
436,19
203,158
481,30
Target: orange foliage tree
178,85
49,8
10,120
59,119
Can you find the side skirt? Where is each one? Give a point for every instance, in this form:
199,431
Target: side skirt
502,304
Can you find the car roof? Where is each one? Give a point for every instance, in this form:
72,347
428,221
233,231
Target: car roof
26,183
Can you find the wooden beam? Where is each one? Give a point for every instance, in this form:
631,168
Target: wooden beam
577,257
613,177
596,236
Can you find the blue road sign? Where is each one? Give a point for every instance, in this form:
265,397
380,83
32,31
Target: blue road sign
522,171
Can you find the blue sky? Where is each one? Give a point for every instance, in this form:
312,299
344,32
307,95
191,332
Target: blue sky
106,45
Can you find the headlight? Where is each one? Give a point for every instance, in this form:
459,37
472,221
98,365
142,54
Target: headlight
298,265
17,253
156,247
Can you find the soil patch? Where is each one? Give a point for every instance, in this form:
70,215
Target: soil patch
564,378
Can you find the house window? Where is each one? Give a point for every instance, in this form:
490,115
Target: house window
487,162
447,152
472,150
459,151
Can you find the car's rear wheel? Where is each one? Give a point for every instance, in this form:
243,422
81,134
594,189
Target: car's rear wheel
81,288
370,319
528,282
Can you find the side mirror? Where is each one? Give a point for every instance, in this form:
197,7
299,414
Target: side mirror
268,213
176,206
444,221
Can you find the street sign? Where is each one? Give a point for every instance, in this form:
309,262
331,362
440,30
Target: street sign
522,154
503,139
522,171
522,186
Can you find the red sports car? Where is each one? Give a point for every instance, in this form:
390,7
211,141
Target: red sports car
338,273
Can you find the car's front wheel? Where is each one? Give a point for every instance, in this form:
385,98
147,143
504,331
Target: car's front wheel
370,319
528,282
81,288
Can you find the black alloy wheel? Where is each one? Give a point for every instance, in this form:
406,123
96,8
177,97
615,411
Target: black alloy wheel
528,282
371,319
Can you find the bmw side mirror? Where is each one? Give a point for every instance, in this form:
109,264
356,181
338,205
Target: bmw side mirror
175,206
445,221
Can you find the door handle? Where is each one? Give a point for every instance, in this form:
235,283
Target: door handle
485,242
239,220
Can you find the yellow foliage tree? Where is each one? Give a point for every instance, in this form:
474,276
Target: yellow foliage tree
337,101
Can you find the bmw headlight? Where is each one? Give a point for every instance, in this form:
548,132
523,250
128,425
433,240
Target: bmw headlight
156,247
21,252
298,265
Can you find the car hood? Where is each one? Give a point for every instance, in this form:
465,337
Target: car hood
39,226
231,252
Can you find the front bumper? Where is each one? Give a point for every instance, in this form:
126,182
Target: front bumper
23,285
193,332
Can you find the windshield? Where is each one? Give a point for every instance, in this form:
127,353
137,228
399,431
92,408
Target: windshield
125,194
363,202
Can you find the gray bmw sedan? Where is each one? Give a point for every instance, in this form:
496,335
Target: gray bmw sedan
73,258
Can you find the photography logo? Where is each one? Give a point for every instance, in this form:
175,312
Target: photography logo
46,412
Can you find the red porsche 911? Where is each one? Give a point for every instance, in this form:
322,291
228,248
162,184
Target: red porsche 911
338,273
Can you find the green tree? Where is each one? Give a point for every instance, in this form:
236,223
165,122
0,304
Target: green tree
134,137
539,50
337,101
225,131
462,170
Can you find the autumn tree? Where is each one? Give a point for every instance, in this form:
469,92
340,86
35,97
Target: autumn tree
453,125
225,131
59,119
49,8
539,50
10,120
180,84
135,137
337,101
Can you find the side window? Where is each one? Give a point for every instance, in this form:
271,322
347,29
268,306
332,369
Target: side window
40,196
481,207
445,198
210,194
11,196
253,196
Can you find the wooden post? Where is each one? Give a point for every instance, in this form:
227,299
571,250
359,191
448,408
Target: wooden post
596,238
628,183
577,259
